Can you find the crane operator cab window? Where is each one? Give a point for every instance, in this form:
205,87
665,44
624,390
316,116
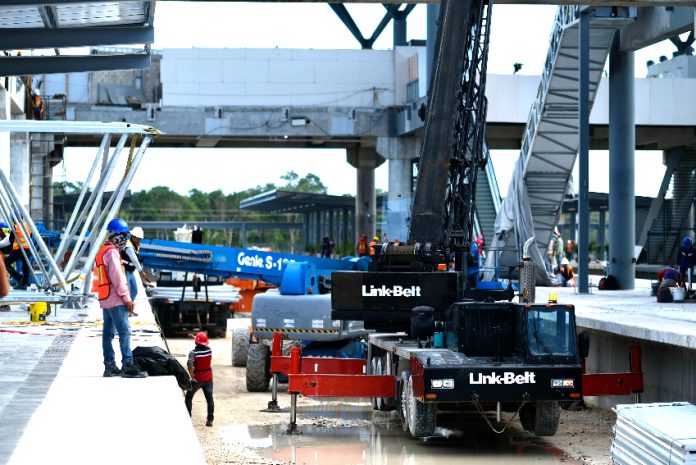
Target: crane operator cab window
551,332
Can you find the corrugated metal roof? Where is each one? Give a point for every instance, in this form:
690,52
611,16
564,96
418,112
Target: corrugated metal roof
54,24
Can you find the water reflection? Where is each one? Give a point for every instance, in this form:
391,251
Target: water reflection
358,436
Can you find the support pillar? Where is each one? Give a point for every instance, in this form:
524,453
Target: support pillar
601,234
365,159
584,156
622,142
400,151
4,135
20,157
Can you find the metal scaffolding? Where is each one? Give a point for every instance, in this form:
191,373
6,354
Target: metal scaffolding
56,279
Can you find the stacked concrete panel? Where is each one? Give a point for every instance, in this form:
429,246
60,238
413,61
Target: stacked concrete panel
653,434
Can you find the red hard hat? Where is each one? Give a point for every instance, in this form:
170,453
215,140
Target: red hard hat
201,339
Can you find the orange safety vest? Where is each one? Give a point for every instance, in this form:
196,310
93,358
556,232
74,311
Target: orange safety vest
362,247
102,285
372,249
19,237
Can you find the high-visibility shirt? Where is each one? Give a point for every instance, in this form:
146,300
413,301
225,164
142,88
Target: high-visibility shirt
19,237
372,249
201,359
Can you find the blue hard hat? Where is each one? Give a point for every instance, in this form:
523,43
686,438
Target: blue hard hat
117,225
686,242
4,225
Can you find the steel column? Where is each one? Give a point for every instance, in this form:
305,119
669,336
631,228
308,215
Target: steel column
432,15
622,224
583,155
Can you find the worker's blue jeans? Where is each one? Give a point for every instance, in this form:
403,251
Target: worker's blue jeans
116,317
207,392
132,284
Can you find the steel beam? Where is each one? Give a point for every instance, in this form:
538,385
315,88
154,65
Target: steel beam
23,65
654,25
30,38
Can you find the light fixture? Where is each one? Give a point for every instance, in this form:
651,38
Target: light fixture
299,121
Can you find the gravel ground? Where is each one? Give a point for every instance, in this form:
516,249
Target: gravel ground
584,436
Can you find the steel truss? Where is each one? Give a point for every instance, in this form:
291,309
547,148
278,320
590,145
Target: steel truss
60,280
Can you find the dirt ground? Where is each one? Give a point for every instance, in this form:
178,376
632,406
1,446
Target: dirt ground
583,437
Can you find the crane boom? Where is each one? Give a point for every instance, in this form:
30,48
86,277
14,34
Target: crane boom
452,149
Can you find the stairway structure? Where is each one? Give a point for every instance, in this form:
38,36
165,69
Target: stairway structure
550,141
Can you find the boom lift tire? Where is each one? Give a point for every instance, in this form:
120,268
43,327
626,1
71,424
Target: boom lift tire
258,373
541,418
240,347
421,416
403,389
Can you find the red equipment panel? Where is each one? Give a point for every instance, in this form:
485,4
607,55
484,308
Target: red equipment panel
342,385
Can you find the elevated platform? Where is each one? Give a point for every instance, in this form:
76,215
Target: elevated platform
665,333
55,406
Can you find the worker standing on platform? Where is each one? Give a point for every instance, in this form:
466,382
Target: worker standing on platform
375,241
687,259
115,301
131,261
362,245
19,244
566,274
200,361
6,249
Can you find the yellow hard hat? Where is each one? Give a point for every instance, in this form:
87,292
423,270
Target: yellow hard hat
376,238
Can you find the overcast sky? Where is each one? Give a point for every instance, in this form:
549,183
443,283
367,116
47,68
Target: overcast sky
518,34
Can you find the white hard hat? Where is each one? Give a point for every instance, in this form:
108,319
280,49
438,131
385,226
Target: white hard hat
137,232
564,261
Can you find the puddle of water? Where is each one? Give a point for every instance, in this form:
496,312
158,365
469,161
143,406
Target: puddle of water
357,436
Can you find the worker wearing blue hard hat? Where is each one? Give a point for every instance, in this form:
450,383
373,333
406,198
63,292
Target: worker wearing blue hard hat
115,301
686,258
14,247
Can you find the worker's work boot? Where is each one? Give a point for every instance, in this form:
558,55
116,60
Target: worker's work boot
131,370
111,370
209,423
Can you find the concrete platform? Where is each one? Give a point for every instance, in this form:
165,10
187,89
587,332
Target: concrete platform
55,406
617,320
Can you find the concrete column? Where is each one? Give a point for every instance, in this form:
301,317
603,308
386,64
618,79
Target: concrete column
4,135
622,142
365,159
305,229
20,157
400,151
600,235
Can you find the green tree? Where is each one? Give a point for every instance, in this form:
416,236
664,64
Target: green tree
310,183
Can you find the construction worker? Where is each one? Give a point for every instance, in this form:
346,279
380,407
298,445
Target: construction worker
362,245
375,241
6,249
566,274
199,365
19,244
130,256
115,301
687,259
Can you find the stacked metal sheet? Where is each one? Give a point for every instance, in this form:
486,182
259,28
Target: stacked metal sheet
654,434
224,293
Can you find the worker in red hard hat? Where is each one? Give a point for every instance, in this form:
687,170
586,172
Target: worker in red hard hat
200,361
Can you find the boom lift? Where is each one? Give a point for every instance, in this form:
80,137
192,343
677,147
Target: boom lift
436,348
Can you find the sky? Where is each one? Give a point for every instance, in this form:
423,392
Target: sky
314,25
